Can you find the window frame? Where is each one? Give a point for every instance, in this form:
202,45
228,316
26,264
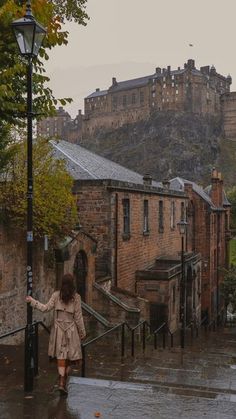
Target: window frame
161,216
126,218
146,229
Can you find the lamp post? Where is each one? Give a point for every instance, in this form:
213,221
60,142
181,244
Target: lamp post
29,36
182,225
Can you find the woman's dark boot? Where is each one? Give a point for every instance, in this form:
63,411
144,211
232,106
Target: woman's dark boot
62,385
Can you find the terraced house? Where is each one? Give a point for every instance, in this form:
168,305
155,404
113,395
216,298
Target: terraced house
126,252
134,222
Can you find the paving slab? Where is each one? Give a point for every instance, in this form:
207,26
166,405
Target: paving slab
120,400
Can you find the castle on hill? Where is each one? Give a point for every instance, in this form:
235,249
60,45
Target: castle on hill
187,89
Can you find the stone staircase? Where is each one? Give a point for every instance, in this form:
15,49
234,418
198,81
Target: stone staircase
208,361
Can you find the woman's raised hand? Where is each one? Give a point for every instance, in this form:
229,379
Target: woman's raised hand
28,299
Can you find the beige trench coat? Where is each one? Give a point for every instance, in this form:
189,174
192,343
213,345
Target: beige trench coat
68,328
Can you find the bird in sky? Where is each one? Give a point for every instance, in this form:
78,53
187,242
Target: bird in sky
191,45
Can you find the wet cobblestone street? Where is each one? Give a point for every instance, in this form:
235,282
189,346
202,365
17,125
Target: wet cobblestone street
197,383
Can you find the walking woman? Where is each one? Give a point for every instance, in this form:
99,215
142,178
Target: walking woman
68,328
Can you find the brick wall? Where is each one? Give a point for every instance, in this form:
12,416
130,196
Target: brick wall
208,239
141,249
228,101
101,215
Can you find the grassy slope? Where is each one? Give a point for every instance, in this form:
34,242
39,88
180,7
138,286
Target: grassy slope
233,251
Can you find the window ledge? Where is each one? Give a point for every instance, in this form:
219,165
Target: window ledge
126,236
146,233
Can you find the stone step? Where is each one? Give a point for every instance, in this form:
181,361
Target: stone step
89,398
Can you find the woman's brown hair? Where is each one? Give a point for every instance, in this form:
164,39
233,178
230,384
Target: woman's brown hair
67,290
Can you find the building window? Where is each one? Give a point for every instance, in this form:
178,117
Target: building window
124,100
126,216
182,212
160,217
172,215
145,216
176,92
141,97
153,94
114,102
164,85
172,84
133,98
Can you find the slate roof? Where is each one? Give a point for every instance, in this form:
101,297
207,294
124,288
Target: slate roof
83,164
131,84
97,93
225,199
178,184
140,81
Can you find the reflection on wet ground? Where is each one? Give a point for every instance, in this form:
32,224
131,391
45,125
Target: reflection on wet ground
197,383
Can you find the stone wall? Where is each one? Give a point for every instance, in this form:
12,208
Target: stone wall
113,311
228,101
13,282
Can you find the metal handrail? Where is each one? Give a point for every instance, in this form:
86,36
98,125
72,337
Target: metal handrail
84,345
163,327
143,323
20,329
12,332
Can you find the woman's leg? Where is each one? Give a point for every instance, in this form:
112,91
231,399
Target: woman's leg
61,366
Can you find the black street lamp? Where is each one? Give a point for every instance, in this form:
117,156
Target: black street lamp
182,225
29,36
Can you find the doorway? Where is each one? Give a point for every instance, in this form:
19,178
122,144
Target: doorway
80,272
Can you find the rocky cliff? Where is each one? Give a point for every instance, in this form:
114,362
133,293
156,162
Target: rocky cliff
169,144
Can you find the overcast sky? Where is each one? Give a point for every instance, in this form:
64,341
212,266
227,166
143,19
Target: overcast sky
130,38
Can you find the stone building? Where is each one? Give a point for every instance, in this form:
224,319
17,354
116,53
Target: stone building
208,215
188,89
185,89
126,256
55,126
134,221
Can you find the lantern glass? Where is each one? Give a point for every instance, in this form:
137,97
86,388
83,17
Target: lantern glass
29,36
38,39
24,36
182,225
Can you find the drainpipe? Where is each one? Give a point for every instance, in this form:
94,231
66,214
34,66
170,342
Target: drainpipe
116,241
217,268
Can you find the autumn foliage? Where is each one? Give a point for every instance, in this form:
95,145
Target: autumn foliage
54,209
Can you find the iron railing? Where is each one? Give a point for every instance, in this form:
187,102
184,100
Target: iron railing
30,352
31,341
164,329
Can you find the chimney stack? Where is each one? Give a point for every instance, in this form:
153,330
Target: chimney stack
166,184
216,188
147,179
